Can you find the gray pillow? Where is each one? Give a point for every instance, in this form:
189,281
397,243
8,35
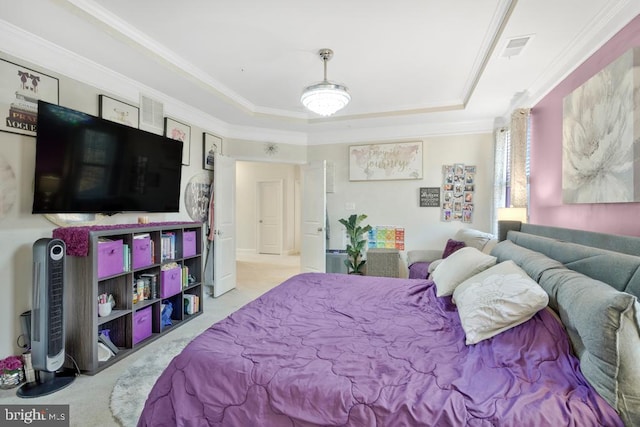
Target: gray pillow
534,263
604,329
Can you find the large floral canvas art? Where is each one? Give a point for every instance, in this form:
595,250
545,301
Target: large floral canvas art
600,133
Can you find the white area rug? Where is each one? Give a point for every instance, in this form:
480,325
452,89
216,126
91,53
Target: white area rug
256,275
132,388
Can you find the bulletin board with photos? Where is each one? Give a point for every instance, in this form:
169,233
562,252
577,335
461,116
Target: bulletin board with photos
458,192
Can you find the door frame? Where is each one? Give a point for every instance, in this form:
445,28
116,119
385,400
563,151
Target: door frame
314,217
297,194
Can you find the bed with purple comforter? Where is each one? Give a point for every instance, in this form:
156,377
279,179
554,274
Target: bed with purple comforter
342,350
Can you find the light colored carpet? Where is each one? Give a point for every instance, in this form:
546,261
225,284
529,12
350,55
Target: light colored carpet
138,379
88,396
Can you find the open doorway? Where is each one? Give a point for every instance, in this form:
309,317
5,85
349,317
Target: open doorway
269,192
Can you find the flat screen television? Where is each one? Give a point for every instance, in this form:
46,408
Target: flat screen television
85,164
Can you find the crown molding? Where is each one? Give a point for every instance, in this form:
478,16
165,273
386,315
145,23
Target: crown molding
27,46
36,50
500,18
161,52
387,133
496,28
612,18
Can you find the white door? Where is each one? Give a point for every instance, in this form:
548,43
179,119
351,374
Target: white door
314,204
270,217
224,225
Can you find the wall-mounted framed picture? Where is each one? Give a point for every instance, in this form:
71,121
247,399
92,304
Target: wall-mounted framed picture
211,144
600,135
385,161
118,111
180,132
20,90
429,197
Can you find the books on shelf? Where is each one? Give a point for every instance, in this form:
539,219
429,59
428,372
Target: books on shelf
168,246
185,276
191,303
126,257
151,280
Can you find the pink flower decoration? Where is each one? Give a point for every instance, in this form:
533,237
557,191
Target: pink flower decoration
11,363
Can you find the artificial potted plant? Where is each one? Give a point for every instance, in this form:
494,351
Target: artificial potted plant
356,243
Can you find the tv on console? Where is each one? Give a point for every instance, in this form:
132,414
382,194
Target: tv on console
85,164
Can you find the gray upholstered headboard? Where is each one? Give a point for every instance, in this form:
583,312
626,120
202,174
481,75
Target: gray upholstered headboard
612,259
593,282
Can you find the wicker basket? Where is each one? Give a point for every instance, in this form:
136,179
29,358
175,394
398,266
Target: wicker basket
383,262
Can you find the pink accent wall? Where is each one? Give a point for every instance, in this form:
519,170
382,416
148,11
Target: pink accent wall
546,207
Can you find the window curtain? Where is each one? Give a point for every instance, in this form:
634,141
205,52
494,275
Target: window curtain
500,184
518,153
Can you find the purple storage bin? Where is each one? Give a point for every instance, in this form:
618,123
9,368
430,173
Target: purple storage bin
141,253
188,243
170,282
142,324
110,258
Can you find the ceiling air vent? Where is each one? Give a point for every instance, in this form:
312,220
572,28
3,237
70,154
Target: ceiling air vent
515,46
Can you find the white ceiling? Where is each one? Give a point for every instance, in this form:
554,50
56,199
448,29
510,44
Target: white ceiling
413,67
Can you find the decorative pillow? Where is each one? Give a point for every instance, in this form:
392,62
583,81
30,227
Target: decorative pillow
451,247
496,300
459,266
475,238
434,265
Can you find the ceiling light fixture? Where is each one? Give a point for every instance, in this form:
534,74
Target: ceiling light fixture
325,98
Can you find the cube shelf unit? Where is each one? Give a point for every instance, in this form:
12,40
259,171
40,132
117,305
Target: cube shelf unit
117,257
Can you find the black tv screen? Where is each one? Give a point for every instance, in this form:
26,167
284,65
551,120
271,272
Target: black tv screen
85,164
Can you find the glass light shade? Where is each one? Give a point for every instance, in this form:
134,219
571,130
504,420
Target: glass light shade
325,98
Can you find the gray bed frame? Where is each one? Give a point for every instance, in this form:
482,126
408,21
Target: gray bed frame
612,259
593,283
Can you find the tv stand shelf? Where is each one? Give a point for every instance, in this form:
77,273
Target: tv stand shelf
115,260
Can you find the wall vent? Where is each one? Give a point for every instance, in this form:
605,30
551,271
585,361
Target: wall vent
515,46
151,115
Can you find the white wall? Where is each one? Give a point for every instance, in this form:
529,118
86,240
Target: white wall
396,203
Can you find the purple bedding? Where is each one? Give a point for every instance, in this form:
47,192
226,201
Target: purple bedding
341,350
419,270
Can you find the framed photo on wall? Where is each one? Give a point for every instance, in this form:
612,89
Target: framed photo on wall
211,145
118,111
20,90
180,132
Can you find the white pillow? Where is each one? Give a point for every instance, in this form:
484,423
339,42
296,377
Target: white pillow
433,265
459,266
497,299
